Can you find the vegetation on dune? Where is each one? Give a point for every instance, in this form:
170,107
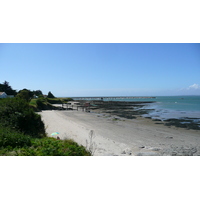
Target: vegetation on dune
54,101
43,103
22,132
12,138
17,114
46,147
25,94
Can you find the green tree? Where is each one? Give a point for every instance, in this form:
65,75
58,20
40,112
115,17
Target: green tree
25,94
50,95
37,92
5,87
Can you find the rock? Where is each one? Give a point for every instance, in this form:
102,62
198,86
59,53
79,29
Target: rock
155,149
147,154
127,151
169,137
123,152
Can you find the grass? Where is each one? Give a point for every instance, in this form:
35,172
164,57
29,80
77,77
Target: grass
33,102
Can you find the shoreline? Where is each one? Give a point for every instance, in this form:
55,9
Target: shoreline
131,110
114,135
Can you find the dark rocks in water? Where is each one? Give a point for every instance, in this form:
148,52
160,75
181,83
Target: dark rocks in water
128,110
182,123
157,120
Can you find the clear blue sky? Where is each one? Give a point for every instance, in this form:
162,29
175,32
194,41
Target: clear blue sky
102,69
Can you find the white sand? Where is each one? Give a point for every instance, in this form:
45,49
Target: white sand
119,137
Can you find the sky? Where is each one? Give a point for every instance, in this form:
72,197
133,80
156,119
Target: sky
102,69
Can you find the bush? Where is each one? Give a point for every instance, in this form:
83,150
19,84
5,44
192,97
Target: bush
53,147
41,103
67,99
54,101
17,114
10,138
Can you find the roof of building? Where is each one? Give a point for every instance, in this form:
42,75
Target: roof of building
2,93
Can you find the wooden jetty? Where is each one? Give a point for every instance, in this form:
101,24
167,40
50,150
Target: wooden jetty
110,98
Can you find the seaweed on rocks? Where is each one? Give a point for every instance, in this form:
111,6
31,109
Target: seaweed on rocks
128,110
182,123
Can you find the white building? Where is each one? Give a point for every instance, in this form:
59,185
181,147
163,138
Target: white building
3,95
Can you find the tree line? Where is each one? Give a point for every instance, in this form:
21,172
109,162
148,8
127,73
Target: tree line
24,93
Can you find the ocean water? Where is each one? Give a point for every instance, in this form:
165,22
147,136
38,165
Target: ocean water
166,107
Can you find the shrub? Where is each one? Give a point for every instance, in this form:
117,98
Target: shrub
53,147
67,99
54,101
11,138
41,103
16,113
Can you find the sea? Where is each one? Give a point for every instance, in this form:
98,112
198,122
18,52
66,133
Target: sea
166,107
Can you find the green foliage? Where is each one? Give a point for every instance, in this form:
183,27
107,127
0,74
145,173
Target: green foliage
38,92
33,102
50,95
54,147
5,87
25,94
50,147
41,103
54,100
16,113
22,131
12,138
67,99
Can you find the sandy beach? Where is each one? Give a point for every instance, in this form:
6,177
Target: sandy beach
119,136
